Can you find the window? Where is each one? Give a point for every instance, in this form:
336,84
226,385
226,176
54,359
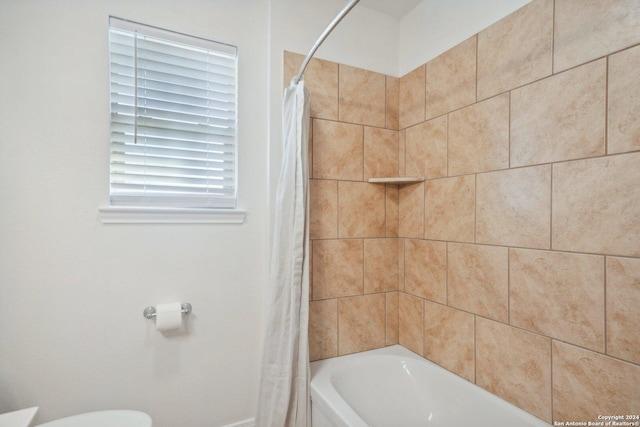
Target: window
173,119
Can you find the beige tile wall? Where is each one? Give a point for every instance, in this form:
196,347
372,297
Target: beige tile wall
518,259
539,211
354,225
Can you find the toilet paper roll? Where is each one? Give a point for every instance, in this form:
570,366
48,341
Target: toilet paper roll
168,316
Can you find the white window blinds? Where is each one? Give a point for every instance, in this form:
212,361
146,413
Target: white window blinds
173,119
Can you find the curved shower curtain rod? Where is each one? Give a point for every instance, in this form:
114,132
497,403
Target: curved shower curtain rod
323,36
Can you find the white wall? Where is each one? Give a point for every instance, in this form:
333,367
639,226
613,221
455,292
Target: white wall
72,290
435,26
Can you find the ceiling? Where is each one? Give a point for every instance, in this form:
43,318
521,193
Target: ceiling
396,8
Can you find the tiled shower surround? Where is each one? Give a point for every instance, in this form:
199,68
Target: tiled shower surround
516,263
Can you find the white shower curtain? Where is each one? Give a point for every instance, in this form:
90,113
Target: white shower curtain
284,399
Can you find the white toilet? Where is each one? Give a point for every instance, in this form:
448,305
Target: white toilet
113,418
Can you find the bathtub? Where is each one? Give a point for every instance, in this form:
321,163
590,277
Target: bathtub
393,387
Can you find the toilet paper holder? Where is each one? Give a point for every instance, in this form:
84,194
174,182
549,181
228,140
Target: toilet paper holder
150,312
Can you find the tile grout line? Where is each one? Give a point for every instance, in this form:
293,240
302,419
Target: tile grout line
606,106
551,376
477,54
551,211
385,319
446,257
509,132
338,111
447,154
386,125
424,116
363,262
553,38
509,286
363,152
475,349
337,327
604,320
386,198
338,209
475,208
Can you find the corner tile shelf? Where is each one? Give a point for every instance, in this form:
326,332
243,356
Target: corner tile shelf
397,180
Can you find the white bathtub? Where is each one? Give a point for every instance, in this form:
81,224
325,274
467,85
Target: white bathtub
393,387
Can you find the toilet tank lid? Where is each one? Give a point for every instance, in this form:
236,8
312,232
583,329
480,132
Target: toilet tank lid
112,418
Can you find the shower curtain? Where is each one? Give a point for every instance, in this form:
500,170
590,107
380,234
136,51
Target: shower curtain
284,399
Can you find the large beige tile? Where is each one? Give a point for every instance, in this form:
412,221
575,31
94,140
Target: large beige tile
380,265
337,268
323,209
587,384
323,329
514,207
392,210
560,118
411,318
479,137
560,295
514,365
361,209
596,205
478,279
425,269
361,323
624,101
392,103
337,150
380,153
516,50
623,315
585,30
411,211
449,339
321,78
361,96
426,149
451,79
449,209
412,97
392,317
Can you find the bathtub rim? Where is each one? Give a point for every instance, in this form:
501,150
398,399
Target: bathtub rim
330,402
326,397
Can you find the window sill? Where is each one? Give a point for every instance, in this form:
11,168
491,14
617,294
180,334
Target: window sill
127,215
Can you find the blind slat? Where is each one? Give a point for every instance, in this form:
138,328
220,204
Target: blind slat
176,134
140,187
128,71
122,141
213,91
129,111
126,100
177,99
143,65
172,167
175,153
173,120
